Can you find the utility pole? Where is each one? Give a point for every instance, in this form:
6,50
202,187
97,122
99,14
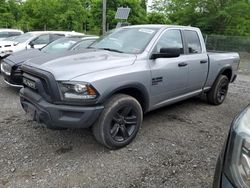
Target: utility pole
104,12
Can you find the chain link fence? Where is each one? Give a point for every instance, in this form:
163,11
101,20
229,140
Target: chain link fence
240,44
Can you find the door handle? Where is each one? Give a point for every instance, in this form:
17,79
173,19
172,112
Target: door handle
203,61
183,64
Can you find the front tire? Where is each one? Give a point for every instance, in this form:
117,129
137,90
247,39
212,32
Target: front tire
119,122
217,94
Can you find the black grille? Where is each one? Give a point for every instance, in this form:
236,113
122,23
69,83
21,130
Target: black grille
46,85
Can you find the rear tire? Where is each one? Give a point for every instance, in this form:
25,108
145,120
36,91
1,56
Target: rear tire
119,122
217,94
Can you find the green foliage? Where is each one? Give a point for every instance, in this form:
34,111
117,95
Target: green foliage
138,14
53,14
9,13
231,17
157,18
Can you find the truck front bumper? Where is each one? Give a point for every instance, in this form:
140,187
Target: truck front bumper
63,116
14,80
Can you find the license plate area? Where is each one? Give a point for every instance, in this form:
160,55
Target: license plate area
29,83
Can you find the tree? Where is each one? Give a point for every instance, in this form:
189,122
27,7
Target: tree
9,13
138,14
157,18
144,4
217,16
230,17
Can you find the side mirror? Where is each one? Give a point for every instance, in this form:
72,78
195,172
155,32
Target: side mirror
31,44
167,53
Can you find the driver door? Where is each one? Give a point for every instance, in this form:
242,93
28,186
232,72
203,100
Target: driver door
169,75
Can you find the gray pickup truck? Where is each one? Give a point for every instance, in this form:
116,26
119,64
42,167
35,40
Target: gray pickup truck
123,75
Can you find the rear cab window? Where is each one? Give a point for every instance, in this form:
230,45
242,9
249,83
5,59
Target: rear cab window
83,44
55,36
193,42
13,33
42,39
4,34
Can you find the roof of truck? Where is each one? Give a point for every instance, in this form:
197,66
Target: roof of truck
159,26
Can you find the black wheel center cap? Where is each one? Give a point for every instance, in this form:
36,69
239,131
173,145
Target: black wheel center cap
121,121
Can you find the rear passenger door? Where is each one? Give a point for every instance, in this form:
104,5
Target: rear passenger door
197,60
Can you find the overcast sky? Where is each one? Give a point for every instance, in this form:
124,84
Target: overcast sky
149,3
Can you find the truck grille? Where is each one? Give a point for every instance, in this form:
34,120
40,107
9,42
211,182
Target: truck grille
29,83
41,82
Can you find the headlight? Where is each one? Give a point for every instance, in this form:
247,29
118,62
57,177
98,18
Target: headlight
238,153
77,91
6,68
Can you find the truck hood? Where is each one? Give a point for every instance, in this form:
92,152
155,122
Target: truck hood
71,64
24,55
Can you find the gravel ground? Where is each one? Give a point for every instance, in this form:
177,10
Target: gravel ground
177,146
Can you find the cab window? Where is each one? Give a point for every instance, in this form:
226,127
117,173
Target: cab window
170,39
4,34
13,33
193,42
83,44
56,36
43,39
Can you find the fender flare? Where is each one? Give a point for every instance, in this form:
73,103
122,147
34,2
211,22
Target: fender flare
221,71
138,86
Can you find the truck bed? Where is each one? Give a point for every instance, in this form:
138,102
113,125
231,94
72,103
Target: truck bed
217,60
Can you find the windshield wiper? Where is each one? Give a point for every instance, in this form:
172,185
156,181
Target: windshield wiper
110,49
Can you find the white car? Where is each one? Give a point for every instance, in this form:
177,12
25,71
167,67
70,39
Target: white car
5,33
35,39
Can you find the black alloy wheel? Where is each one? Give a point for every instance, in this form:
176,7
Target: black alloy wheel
222,91
119,122
217,94
123,123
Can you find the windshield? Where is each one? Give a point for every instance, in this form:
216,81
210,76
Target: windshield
24,37
60,45
83,44
126,40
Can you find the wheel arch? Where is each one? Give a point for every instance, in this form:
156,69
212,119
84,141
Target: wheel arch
227,71
136,90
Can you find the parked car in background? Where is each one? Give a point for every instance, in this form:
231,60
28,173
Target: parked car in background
10,67
233,164
126,73
35,39
6,33
69,43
